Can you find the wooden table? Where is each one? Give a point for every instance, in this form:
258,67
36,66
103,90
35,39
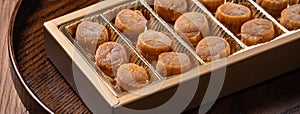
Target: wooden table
10,102
280,95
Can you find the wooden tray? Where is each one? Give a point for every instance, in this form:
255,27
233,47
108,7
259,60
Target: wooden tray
39,84
45,90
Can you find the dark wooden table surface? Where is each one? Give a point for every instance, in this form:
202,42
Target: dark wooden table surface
279,95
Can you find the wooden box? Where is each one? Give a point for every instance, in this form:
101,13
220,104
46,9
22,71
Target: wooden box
202,85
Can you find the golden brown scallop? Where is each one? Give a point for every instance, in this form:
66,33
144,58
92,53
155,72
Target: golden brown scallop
91,34
109,56
154,42
131,23
257,31
171,63
212,48
192,25
233,15
290,17
131,77
170,10
212,5
274,7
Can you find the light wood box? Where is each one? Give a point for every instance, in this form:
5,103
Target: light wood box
247,67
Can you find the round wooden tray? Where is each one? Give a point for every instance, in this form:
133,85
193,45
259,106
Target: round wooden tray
47,91
43,89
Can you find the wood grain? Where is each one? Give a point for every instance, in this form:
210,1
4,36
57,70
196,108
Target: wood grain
280,95
277,96
36,69
9,100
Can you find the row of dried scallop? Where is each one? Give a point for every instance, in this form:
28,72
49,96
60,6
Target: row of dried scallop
253,30
284,11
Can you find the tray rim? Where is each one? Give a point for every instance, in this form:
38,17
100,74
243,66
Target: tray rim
15,67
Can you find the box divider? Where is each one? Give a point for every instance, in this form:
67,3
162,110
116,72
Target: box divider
173,33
